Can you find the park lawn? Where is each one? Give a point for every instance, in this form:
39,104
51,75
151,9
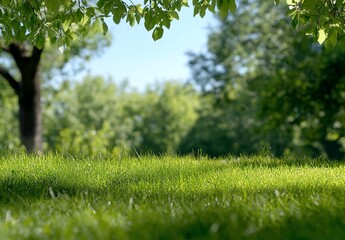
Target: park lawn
150,197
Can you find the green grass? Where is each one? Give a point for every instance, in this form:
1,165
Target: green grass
51,197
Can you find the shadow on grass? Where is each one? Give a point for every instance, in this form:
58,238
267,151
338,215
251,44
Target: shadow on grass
154,186
161,182
16,187
232,223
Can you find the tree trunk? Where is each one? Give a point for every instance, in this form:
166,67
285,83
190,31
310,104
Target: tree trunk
332,149
30,111
28,90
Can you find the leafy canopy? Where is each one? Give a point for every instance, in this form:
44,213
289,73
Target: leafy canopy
324,19
61,21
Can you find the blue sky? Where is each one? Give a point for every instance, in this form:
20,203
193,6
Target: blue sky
135,56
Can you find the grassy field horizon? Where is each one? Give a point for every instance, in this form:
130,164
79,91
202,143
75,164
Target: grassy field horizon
166,197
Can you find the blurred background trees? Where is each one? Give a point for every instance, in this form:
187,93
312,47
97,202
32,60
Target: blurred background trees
292,89
9,133
260,84
97,116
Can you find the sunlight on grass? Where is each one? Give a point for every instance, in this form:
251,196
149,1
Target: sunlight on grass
52,197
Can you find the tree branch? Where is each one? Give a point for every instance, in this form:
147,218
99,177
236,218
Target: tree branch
36,55
13,83
5,49
17,52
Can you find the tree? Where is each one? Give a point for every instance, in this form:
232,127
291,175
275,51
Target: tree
166,117
95,116
28,92
324,19
220,130
293,86
27,86
88,117
308,95
63,20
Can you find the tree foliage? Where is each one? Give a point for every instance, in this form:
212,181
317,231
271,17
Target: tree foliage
291,88
21,70
62,21
9,127
168,117
324,19
98,116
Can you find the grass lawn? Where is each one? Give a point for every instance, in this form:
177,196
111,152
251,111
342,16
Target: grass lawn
52,197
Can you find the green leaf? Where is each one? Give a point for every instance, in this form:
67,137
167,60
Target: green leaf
157,33
54,6
96,26
117,16
196,10
178,7
328,44
84,20
139,8
78,16
339,3
223,7
108,7
333,37
321,36
220,4
40,42
101,3
131,19
276,2
166,21
166,3
294,21
90,12
22,33
232,6
66,24
174,14
211,8
223,12
15,24
137,17
309,4
149,21
105,27
117,19
203,10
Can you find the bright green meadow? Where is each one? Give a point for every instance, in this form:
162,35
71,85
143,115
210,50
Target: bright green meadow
150,197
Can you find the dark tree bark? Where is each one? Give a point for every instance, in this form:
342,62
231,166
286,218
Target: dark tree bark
28,90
